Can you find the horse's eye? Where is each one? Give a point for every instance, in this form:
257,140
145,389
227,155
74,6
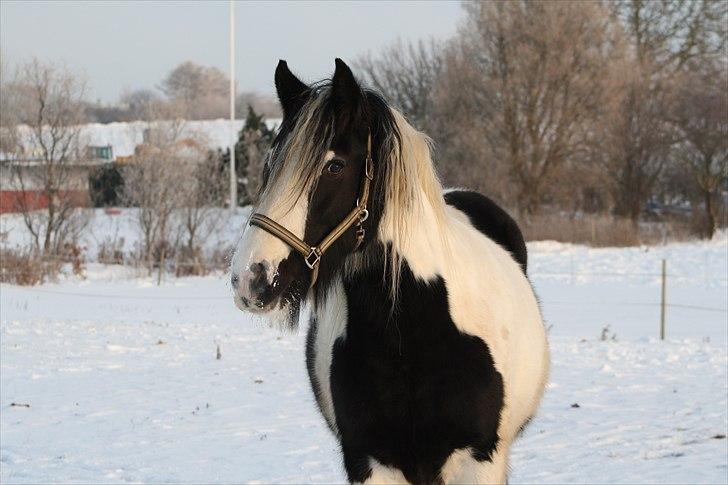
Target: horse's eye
335,167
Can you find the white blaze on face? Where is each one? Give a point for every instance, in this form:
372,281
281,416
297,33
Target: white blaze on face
259,247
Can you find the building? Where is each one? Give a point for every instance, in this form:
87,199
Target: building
22,180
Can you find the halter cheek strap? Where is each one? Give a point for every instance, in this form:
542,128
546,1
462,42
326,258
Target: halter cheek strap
312,254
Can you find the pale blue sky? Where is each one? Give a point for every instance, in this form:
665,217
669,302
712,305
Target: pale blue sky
134,44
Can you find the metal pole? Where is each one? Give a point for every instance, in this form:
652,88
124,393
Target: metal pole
233,173
662,300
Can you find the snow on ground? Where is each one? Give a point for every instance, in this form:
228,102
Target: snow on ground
123,385
120,226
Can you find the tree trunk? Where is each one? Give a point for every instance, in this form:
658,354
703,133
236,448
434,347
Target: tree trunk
710,217
634,212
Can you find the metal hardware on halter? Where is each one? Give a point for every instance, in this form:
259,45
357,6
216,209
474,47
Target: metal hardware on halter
317,257
312,254
364,215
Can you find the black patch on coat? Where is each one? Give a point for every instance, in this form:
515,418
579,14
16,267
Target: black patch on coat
311,360
490,219
408,387
334,198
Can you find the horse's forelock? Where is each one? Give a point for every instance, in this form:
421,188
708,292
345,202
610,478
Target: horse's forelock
298,155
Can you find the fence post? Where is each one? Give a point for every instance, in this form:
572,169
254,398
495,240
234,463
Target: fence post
571,267
662,300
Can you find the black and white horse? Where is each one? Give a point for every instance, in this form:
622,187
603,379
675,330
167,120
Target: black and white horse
426,349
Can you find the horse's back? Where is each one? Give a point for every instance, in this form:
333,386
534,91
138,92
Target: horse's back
491,220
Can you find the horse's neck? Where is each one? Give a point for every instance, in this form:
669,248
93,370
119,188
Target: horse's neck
421,241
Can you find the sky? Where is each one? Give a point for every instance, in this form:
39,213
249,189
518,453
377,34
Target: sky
129,44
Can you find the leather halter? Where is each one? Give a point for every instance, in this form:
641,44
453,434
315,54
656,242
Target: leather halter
312,254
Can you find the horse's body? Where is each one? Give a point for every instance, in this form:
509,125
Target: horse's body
432,392
425,374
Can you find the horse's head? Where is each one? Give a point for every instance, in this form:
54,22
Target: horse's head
321,198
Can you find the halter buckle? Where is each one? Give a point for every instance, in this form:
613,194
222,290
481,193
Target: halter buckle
316,258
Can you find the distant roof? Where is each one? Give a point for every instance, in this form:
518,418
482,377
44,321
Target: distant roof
125,136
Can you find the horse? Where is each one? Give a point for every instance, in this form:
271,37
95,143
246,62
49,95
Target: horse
426,349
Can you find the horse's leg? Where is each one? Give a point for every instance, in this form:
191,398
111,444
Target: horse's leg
462,468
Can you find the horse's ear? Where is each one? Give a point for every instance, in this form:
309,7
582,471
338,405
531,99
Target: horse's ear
346,92
292,92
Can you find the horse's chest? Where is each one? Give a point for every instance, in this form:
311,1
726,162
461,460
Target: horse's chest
408,390
396,398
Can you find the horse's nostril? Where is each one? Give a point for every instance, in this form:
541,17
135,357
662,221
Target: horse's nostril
259,282
257,268
235,281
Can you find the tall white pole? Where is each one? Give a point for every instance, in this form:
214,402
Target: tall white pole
233,173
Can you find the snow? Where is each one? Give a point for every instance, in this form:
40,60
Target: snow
123,382
119,226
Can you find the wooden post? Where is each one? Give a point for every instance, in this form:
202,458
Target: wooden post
662,300
594,232
571,267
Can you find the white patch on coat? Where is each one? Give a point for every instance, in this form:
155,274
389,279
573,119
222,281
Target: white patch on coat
382,474
331,317
490,298
489,295
462,468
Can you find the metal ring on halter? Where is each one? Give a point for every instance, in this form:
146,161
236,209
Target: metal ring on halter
317,258
365,215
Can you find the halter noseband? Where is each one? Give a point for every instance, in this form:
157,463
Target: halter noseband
312,254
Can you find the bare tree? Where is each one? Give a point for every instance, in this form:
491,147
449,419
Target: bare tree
664,37
202,92
701,115
532,74
407,74
177,189
153,184
204,192
635,138
265,104
11,102
49,102
674,34
143,104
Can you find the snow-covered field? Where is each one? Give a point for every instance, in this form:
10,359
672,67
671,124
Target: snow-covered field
114,379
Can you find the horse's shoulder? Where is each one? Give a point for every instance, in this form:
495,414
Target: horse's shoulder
491,220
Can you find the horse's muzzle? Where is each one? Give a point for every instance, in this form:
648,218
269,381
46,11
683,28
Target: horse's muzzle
253,291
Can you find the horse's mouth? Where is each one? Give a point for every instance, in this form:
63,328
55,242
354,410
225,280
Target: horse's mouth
278,298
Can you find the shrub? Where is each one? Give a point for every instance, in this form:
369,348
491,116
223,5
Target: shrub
20,268
105,185
602,230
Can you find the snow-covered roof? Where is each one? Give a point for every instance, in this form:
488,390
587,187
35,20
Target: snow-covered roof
125,136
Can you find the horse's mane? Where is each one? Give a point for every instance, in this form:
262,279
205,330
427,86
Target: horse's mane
413,197
409,193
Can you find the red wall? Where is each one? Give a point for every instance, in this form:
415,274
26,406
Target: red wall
12,200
